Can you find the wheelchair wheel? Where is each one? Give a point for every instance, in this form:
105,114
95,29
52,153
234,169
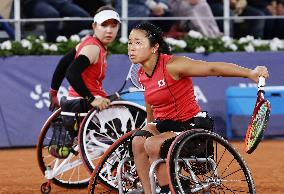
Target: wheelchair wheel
101,129
69,172
203,162
105,177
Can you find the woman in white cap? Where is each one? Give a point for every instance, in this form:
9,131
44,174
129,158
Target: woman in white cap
85,66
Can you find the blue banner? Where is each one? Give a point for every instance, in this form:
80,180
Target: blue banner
25,82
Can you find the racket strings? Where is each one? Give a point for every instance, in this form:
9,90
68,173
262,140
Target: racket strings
259,123
134,69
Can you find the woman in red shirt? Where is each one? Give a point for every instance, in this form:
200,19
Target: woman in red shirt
85,66
169,95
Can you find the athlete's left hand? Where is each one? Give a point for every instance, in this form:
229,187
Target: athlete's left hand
54,104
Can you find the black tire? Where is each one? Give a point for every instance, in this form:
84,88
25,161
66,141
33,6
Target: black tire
99,130
73,176
222,169
103,181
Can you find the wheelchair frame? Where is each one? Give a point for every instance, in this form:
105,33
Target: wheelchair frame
224,170
57,168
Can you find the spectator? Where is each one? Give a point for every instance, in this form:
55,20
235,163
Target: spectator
268,8
197,9
217,8
7,28
239,8
279,32
90,6
280,7
5,12
56,9
253,27
148,8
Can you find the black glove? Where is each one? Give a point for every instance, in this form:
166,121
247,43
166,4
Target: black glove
54,104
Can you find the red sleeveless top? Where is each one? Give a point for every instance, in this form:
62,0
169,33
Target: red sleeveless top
170,99
94,74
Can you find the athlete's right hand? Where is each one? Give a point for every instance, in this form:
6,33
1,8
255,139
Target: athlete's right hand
101,103
257,72
54,104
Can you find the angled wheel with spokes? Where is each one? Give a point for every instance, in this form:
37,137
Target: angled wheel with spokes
101,129
111,175
68,172
203,162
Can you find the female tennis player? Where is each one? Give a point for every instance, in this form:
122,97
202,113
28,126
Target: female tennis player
169,95
85,66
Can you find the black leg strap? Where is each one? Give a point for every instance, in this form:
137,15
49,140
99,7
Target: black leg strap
142,133
139,133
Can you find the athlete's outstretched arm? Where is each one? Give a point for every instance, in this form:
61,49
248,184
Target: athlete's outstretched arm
182,66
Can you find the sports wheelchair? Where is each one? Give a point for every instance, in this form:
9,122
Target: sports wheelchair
70,141
197,161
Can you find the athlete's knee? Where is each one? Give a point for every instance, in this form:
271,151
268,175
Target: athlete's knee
139,138
138,145
152,146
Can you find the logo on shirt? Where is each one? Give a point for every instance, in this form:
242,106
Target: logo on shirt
161,83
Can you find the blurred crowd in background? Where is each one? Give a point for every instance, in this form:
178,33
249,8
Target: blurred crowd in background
203,12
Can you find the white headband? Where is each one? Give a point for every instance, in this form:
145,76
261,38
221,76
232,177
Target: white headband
105,15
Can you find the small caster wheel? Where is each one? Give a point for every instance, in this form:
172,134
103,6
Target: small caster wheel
45,188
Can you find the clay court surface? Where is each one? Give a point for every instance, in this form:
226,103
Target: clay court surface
20,172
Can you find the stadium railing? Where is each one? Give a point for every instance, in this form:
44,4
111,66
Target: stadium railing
17,20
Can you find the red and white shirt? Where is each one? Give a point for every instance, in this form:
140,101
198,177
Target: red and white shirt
170,99
95,73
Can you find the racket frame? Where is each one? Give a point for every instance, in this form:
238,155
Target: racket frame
259,102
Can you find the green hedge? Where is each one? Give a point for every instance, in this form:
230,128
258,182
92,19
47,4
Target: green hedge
193,42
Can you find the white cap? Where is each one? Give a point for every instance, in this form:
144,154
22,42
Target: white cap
105,15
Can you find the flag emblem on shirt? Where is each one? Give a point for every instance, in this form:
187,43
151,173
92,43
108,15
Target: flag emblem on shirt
161,83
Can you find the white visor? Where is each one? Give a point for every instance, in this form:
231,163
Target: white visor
105,15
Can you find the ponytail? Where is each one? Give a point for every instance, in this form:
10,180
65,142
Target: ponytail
164,48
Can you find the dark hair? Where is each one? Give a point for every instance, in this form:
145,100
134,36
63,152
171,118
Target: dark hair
155,35
105,7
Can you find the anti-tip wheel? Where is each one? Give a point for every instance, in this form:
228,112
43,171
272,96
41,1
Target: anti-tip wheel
45,188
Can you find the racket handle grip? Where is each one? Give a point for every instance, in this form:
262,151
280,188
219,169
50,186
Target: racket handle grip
261,82
97,109
114,97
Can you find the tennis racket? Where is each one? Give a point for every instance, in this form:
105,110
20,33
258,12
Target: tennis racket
132,76
259,119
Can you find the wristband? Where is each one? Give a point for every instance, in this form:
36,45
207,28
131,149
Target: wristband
90,99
